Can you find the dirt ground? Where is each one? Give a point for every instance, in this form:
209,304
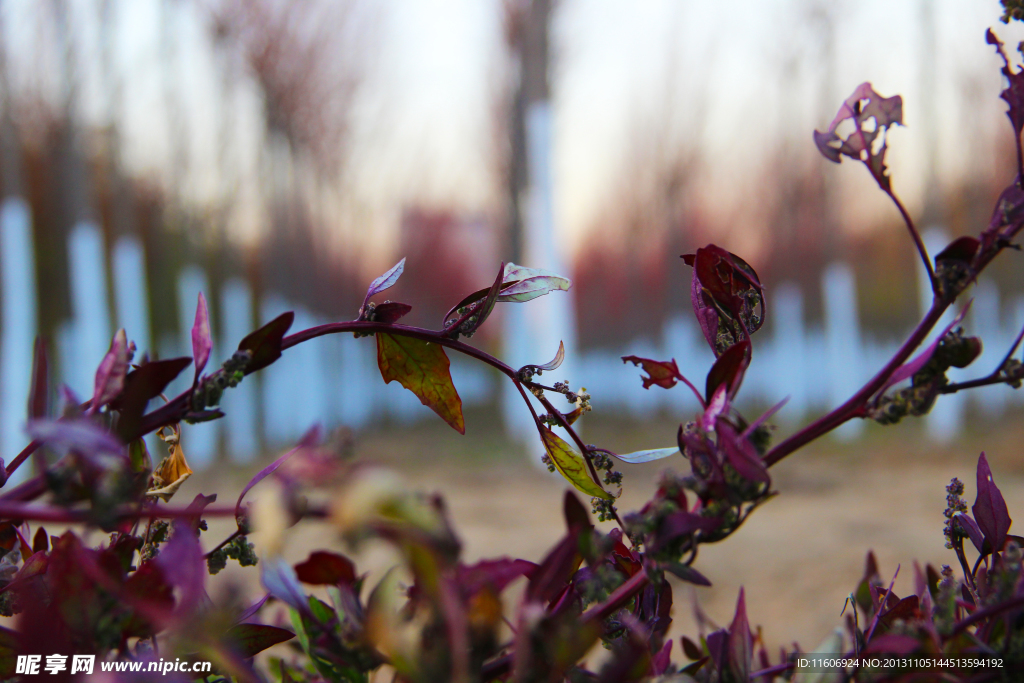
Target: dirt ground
798,556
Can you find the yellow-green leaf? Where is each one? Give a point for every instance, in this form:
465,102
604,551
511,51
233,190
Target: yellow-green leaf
422,368
571,465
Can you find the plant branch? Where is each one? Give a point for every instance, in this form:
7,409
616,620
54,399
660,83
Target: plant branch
997,376
854,406
619,597
917,239
31,448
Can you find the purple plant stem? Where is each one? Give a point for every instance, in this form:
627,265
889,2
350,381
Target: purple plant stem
916,237
854,406
23,456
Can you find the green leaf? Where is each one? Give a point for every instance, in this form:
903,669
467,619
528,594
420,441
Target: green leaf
571,465
250,639
422,368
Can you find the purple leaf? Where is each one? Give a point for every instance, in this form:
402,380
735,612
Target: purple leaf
741,646
309,440
729,369
662,373
718,648
707,316
280,580
494,574
202,341
385,281
911,368
661,659
990,509
1008,211
390,312
181,560
687,573
895,643
265,343
973,531
741,454
549,579
252,609
682,523
111,373
81,436
554,362
324,568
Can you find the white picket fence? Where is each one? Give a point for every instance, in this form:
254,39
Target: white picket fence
334,380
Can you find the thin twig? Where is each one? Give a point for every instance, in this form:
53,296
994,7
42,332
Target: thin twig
917,240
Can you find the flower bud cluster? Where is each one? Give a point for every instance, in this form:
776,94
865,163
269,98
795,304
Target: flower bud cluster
954,504
230,374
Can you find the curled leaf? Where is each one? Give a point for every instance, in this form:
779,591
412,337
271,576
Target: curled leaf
280,580
1013,95
202,340
971,529
423,368
470,313
727,296
571,465
741,454
741,645
521,284
648,456
310,439
872,115
662,373
173,469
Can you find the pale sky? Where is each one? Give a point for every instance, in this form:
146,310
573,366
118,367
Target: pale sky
728,79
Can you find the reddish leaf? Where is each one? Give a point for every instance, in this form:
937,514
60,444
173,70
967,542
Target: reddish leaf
961,249
549,579
872,115
553,364
691,649
38,398
575,514
181,560
475,309
741,454
326,569
662,373
990,509
249,639
741,645
422,368
727,296
41,541
265,343
494,574
729,369
202,340
682,523
110,375
390,312
905,609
